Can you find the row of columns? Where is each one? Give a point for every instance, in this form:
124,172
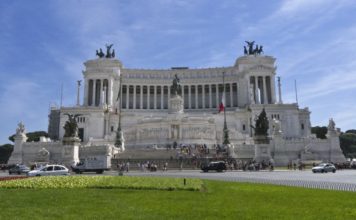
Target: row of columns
190,98
98,92
263,89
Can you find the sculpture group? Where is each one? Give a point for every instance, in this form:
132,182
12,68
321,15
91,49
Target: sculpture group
251,50
109,54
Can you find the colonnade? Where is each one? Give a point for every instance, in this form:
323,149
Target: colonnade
98,92
204,96
262,89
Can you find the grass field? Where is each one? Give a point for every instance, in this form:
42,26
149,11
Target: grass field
216,200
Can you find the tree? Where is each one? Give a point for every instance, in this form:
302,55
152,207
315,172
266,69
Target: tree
320,131
5,152
32,136
348,144
352,131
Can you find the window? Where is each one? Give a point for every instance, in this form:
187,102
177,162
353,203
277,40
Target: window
243,127
58,168
302,126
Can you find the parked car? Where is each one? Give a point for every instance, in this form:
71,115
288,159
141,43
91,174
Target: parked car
50,170
19,169
218,166
324,168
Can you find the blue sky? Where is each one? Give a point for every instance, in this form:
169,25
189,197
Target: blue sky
44,44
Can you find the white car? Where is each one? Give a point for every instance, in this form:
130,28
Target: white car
50,170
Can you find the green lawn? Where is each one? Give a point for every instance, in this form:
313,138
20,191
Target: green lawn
216,200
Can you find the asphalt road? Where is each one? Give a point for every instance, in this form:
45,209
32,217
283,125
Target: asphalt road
344,180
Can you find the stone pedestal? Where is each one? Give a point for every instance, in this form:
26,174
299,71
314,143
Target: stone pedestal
70,150
16,156
176,104
262,149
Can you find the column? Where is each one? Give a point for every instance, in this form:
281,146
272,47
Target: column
189,96
231,95
134,97
141,96
217,96
101,93
196,97
237,94
182,86
148,97
248,99
210,97
127,96
203,95
169,97
162,106
273,90
257,99
265,100
94,92
86,92
155,97
110,93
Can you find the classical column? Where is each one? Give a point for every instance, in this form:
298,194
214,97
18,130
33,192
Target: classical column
190,96
249,90
169,97
155,97
110,92
148,97
273,89
237,95
162,104
231,95
94,92
78,92
265,99
141,96
134,97
203,94
217,96
196,97
257,98
86,92
127,96
101,93
210,97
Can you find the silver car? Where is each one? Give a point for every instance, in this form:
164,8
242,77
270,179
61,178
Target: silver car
324,168
50,170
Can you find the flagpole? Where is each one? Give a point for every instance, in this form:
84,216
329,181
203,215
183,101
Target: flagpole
226,131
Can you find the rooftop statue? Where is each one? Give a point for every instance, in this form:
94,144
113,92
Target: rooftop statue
71,126
108,54
252,51
176,87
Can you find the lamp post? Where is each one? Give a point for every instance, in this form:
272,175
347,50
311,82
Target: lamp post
226,131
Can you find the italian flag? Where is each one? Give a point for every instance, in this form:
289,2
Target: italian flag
222,103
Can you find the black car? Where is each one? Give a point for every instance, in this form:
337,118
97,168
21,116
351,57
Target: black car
218,166
19,169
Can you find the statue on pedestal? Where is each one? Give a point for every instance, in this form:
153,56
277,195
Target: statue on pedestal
331,126
176,87
262,125
20,129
